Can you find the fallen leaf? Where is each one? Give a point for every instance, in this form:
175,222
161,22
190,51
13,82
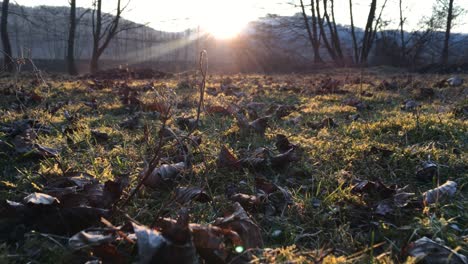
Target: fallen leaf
282,143
455,81
99,136
440,193
241,223
186,194
40,199
90,238
226,159
163,176
429,251
259,125
217,109
186,123
427,171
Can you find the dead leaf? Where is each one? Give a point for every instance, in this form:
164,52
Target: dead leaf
131,123
455,81
159,106
217,109
99,136
91,238
163,176
283,159
40,199
186,123
283,144
427,171
429,251
440,193
410,105
251,203
226,159
186,194
149,243
259,125
241,223
325,123
210,242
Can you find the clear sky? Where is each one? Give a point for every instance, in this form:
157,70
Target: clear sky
176,15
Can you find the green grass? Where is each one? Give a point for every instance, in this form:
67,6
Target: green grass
340,224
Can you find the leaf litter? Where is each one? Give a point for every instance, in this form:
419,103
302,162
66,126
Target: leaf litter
74,204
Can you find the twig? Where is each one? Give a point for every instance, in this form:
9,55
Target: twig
118,231
152,164
203,63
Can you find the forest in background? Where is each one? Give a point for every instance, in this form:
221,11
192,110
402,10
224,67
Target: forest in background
271,44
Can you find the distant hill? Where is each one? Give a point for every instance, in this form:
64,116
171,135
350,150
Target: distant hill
271,44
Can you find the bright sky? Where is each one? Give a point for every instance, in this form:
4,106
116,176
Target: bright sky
177,15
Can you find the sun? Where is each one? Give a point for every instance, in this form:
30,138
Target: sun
224,29
225,19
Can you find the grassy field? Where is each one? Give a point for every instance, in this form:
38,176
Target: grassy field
356,137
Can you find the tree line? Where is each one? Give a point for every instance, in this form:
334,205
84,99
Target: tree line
311,37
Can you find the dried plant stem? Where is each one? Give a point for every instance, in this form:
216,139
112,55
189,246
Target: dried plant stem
203,63
152,164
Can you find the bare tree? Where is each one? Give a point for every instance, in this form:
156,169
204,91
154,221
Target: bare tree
312,30
367,39
323,35
361,53
402,31
331,23
353,33
102,38
7,59
445,49
71,40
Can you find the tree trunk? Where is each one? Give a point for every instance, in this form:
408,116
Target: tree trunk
335,35
367,40
353,34
71,40
402,33
330,49
445,50
7,59
312,35
317,58
109,33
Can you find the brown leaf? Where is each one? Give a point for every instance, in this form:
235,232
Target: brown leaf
159,106
164,176
217,109
283,159
377,189
187,194
226,159
210,242
428,251
259,125
99,136
427,171
284,110
179,247
186,123
325,123
241,223
283,144
81,189
249,202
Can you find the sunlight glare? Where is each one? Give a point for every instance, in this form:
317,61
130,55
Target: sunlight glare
225,19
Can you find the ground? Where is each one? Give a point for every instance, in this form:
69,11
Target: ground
347,126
